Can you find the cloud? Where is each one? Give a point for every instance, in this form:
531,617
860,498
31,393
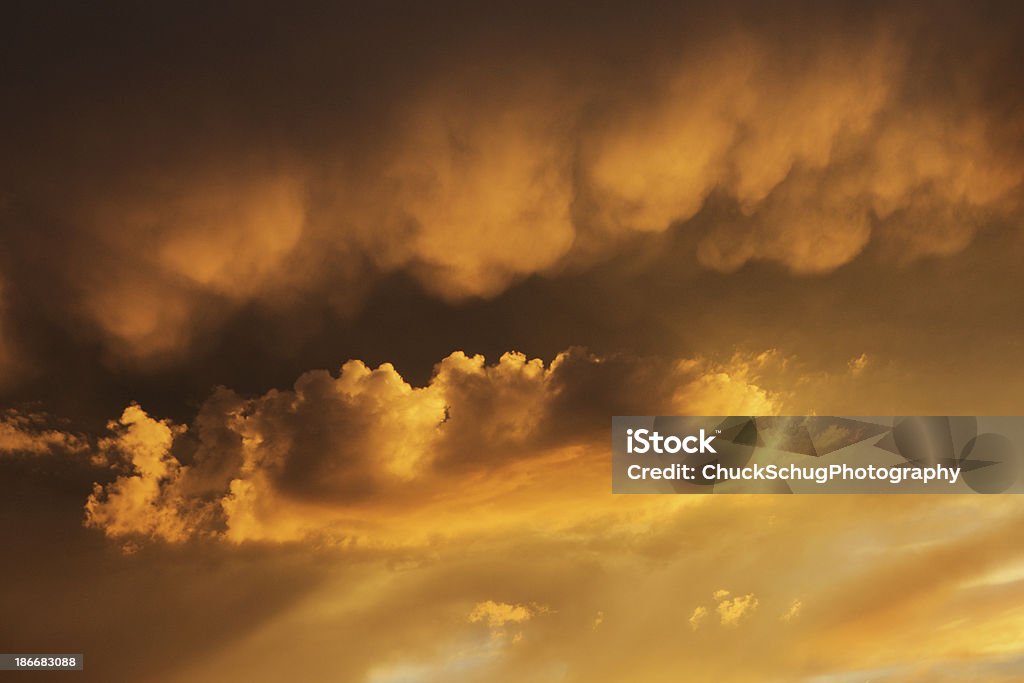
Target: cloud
145,501
199,245
858,363
30,433
699,614
721,390
920,569
497,614
804,141
337,457
731,611
481,181
169,215
792,612
637,563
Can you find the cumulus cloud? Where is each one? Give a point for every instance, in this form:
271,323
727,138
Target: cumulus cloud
731,611
431,610
313,460
146,500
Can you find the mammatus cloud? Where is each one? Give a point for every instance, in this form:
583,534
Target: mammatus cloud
199,247
348,456
798,143
819,147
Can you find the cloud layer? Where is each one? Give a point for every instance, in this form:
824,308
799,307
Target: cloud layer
803,143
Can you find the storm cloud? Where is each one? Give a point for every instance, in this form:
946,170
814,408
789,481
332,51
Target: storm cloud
213,160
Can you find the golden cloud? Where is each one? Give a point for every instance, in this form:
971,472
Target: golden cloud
700,612
144,502
795,152
30,433
733,610
347,458
197,244
497,614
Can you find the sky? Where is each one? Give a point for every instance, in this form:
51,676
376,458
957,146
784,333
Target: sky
313,320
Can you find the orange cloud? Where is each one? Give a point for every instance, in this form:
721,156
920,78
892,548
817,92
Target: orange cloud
348,457
145,501
497,614
800,152
733,610
196,245
26,433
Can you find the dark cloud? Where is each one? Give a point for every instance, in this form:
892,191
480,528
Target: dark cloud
192,187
